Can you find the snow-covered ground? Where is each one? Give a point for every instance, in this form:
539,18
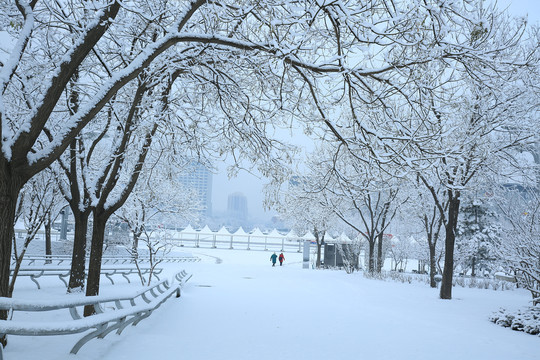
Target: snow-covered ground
240,307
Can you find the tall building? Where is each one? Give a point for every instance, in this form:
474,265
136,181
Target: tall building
237,207
199,178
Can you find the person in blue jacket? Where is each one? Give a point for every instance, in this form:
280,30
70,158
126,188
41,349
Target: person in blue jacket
273,259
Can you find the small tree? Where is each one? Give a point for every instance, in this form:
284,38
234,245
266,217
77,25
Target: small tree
157,245
38,199
304,205
476,234
519,245
350,253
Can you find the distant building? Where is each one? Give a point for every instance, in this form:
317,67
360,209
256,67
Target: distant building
237,207
199,178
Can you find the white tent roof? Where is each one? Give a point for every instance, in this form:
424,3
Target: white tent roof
240,231
292,235
343,238
274,233
257,232
206,230
223,231
188,229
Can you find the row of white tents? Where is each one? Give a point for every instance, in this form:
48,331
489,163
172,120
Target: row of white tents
240,235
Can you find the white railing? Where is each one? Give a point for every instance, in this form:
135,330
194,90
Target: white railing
234,241
112,313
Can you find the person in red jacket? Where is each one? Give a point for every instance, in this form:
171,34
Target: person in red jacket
281,259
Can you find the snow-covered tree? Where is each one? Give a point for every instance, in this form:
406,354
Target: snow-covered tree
39,199
305,206
456,120
401,250
519,246
477,233
158,200
365,200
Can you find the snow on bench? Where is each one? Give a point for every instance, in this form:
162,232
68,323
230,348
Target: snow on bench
116,317
35,272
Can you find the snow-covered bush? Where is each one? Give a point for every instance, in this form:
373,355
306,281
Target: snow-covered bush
461,281
526,320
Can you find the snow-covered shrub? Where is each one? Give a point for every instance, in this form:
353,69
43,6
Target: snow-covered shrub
526,320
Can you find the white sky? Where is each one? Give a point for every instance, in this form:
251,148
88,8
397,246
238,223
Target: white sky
251,186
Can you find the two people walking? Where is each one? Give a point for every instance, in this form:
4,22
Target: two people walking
274,258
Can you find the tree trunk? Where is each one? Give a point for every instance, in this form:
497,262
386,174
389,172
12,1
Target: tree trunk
135,246
8,204
94,266
78,258
432,266
48,241
380,260
448,272
371,260
18,261
318,262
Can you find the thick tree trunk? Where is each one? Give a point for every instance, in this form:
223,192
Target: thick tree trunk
78,258
371,260
8,204
448,272
94,266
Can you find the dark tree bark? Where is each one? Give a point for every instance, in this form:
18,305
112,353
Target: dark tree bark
94,265
78,257
10,187
107,184
450,227
319,238
48,240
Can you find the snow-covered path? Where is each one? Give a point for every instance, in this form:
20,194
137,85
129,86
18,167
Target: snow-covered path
243,308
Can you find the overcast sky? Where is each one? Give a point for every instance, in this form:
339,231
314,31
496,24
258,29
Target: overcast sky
251,186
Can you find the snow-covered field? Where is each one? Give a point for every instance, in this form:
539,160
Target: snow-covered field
243,308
